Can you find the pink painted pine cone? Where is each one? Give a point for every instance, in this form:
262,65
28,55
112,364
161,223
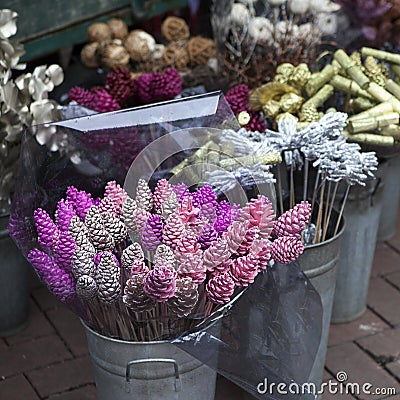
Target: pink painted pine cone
115,192
286,249
107,204
193,267
216,255
46,229
141,217
262,250
220,288
173,230
160,282
164,254
161,194
187,244
185,298
235,235
293,221
245,269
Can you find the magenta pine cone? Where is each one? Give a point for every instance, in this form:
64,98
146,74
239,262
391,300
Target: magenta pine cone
64,251
245,269
173,230
160,282
260,213
205,195
83,202
47,230
224,217
193,267
65,212
238,98
117,194
82,96
293,221
235,235
257,123
161,194
248,239
286,249
152,232
220,288
103,101
208,236
59,282
72,193
217,254
181,191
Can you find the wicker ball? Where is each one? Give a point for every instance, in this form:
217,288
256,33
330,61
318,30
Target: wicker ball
176,56
99,32
89,55
114,55
175,28
140,45
200,50
118,28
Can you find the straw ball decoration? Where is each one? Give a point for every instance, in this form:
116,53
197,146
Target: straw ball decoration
175,28
175,56
140,45
200,50
118,28
114,55
90,56
99,32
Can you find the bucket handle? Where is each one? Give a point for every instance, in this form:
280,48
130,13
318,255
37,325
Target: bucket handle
178,385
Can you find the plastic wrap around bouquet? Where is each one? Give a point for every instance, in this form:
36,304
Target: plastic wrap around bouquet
120,221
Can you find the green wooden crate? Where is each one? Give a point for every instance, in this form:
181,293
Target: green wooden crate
47,25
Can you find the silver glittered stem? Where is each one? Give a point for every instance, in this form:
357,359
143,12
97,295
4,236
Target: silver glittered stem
305,184
332,201
279,176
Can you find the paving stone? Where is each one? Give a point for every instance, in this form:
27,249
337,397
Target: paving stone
61,377
386,260
384,299
394,368
45,299
17,388
394,279
38,326
29,355
3,345
367,324
225,389
384,346
83,393
359,367
395,241
70,329
326,376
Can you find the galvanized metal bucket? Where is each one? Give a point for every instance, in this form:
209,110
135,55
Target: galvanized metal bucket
362,213
147,370
391,199
319,263
14,285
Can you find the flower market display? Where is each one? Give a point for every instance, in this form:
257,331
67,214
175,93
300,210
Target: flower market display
154,266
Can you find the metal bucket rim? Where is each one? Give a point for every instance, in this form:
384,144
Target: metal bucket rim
332,239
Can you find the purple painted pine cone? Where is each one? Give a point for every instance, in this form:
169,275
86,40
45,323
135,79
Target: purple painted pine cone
64,251
293,221
83,202
286,249
220,288
65,212
152,232
208,236
46,229
224,217
160,282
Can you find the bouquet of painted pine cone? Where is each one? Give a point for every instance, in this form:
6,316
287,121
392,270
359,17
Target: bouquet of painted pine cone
156,265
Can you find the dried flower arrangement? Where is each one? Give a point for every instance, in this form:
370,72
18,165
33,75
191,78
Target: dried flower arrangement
23,102
187,254
254,37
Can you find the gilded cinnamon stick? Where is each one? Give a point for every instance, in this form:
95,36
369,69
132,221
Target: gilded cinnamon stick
372,123
381,55
352,69
381,108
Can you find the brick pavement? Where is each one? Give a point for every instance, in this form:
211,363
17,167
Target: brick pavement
49,359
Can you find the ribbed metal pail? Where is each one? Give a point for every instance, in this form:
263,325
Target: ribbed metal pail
147,370
390,201
319,263
362,213
14,285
